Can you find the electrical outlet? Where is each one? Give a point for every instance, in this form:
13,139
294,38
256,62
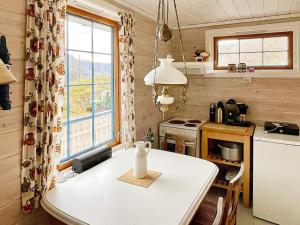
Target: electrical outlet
247,80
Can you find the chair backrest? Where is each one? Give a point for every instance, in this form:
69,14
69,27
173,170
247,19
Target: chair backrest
180,142
232,198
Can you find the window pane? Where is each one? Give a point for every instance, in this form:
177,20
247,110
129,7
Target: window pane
103,68
103,97
102,38
79,34
80,101
276,44
80,67
103,128
225,59
275,59
64,147
65,108
251,59
228,46
80,136
251,45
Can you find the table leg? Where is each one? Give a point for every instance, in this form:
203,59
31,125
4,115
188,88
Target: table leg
246,180
204,146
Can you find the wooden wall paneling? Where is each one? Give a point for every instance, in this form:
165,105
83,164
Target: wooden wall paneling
11,120
10,214
295,7
243,8
10,168
284,6
18,69
12,190
215,9
270,7
10,144
17,95
15,6
230,9
256,8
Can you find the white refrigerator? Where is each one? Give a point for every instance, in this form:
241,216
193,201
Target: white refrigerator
276,177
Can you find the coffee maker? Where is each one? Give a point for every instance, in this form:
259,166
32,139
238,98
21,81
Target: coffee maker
231,112
243,111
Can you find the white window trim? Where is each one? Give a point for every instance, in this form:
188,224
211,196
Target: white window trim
257,29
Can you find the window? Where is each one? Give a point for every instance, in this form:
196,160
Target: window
263,51
91,103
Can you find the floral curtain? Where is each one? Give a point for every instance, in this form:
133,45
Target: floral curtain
44,87
126,41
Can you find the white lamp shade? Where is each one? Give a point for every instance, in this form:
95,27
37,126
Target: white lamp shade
165,74
165,100
6,75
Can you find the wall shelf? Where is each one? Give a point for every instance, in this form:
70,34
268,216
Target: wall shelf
256,74
195,67
207,69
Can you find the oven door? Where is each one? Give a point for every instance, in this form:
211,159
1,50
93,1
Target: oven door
190,147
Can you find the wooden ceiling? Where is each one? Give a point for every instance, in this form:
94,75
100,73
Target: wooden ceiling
201,12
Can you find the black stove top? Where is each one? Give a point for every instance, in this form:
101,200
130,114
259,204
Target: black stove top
190,125
177,122
194,121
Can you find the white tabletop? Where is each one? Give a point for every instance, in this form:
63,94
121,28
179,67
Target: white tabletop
96,197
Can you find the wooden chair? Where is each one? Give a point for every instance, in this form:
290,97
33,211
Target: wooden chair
232,198
180,142
210,213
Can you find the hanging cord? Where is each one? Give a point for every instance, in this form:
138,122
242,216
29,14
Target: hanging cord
167,12
163,15
155,53
180,37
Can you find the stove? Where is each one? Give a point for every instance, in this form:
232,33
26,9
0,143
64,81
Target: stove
190,124
188,129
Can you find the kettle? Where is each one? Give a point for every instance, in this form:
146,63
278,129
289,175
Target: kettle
220,113
140,159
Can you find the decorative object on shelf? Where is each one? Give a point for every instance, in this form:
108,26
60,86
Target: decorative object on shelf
6,76
140,159
231,68
242,68
200,55
251,69
165,78
205,55
150,136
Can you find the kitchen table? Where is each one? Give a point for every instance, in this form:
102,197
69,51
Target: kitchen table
97,197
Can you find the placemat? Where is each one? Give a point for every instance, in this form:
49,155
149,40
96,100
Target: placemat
145,182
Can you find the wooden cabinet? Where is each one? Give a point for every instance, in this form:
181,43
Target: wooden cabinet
221,132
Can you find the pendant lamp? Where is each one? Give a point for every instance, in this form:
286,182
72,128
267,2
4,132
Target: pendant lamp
164,78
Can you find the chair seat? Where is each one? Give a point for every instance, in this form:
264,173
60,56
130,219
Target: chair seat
205,214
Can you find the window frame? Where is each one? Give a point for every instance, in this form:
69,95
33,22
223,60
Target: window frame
288,34
116,77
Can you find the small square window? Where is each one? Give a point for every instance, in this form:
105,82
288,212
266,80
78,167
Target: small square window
263,51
